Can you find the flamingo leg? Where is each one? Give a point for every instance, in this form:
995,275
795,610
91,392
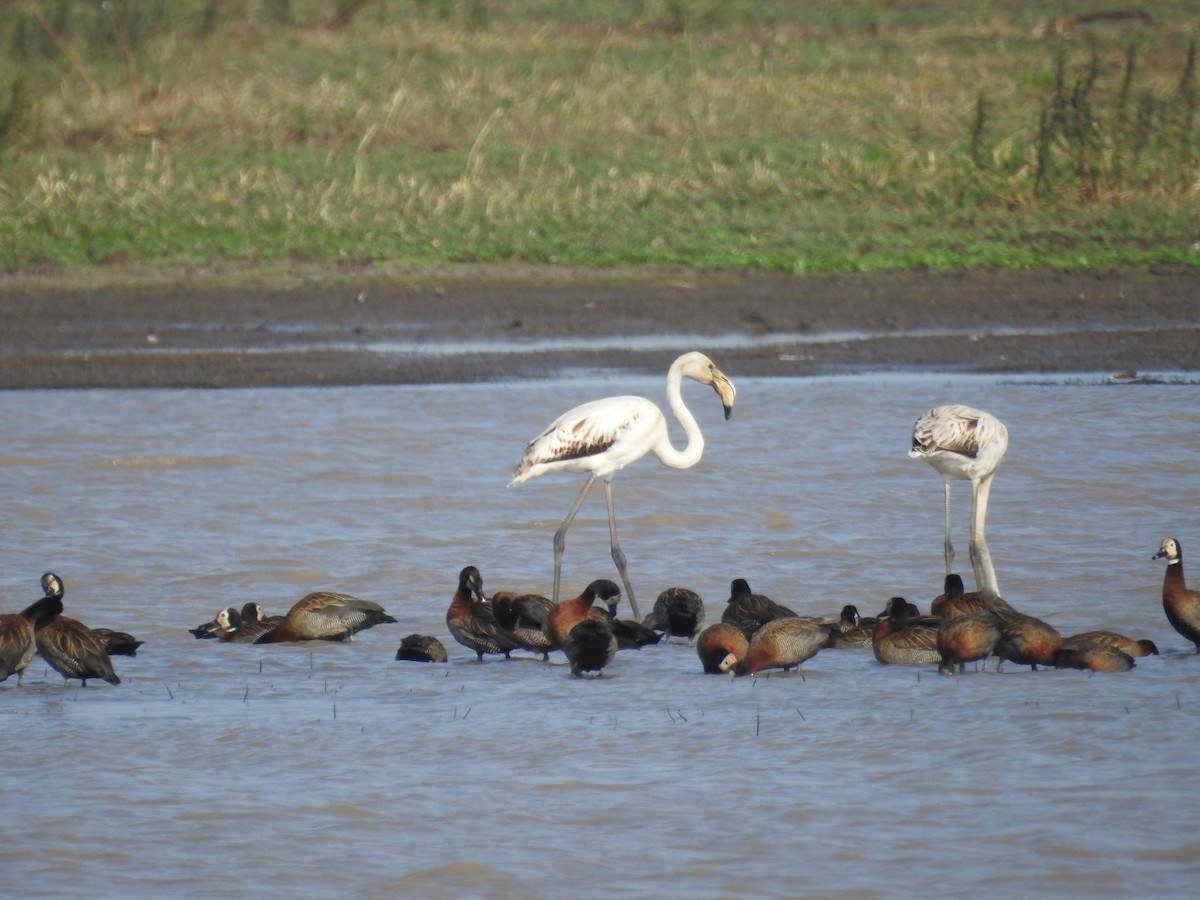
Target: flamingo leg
617,555
948,545
981,557
560,536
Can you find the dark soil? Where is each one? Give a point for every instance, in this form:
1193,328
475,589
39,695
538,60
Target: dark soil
210,329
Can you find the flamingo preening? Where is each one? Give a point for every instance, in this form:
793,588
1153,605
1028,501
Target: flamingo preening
964,444
604,436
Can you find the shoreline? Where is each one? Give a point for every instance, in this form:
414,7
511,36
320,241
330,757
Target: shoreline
251,327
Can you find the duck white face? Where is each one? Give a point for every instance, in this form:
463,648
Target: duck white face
728,664
51,585
1168,550
228,619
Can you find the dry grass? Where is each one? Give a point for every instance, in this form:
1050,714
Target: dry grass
698,134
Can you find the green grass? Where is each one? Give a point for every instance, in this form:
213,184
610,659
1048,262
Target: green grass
746,133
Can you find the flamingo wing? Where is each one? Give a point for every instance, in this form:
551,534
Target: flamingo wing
954,429
589,430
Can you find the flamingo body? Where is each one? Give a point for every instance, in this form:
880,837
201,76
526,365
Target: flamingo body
603,436
964,444
600,437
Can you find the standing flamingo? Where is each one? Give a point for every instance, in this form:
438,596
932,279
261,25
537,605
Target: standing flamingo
964,444
606,435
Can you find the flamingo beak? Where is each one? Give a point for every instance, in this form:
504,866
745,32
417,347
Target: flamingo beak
725,390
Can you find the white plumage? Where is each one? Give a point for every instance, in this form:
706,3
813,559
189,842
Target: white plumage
604,436
964,444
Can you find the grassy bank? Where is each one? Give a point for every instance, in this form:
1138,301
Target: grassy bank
730,133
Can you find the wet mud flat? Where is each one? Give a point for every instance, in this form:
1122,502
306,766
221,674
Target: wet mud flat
371,325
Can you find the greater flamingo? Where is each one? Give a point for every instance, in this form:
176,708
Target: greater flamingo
604,436
964,444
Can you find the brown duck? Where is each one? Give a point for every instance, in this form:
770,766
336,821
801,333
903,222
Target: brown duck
785,644
472,621
326,616
1181,605
70,647
18,645
721,647
569,613
904,637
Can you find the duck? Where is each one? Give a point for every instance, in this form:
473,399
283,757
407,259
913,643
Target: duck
326,616
117,643
630,635
721,647
421,648
963,639
69,646
1026,640
253,612
569,613
1094,658
18,645
242,627
785,644
206,630
750,611
1181,605
852,631
1135,648
590,645
523,616
472,620
956,601
678,612
904,637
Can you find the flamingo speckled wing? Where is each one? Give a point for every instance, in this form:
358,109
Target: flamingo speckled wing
603,436
964,444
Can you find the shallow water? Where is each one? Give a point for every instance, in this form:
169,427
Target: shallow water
334,770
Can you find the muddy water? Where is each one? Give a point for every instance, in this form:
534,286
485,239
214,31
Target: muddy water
333,770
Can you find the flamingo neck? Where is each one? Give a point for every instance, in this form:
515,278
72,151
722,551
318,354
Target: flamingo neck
694,449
